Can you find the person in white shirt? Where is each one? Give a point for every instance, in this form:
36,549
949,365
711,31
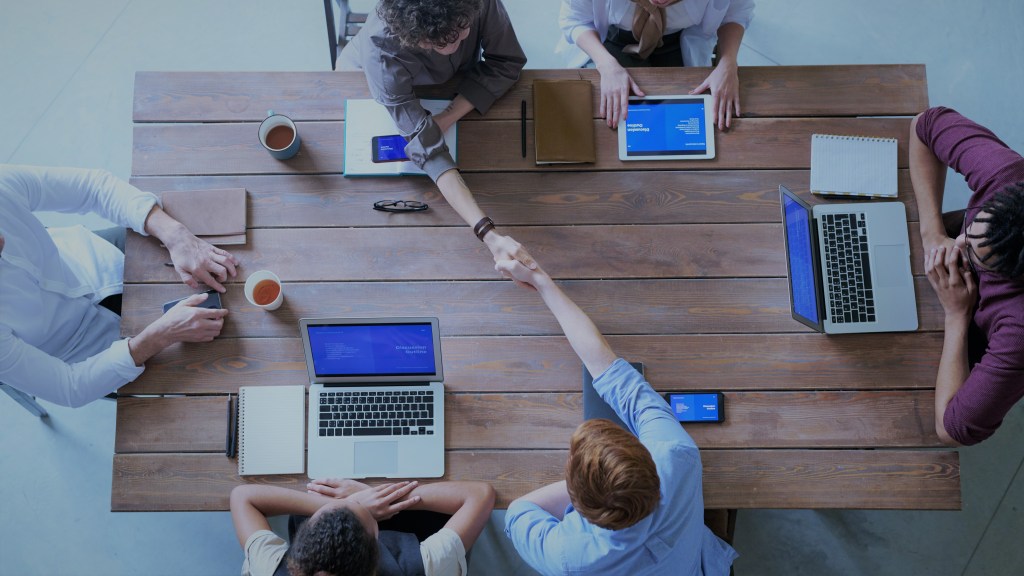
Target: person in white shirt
616,34
57,342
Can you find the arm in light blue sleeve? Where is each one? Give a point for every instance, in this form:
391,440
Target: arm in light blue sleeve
576,17
78,191
67,384
645,413
741,12
534,533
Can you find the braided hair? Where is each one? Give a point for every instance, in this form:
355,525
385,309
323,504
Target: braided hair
1004,237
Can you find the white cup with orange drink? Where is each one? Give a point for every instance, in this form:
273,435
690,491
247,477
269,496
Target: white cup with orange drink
263,289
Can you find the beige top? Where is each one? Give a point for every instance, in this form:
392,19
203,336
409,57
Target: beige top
443,554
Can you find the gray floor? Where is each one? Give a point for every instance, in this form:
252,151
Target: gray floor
68,70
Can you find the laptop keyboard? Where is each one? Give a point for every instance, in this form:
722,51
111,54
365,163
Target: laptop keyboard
847,268
391,413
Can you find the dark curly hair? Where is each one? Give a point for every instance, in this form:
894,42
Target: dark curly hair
437,22
1005,233
335,543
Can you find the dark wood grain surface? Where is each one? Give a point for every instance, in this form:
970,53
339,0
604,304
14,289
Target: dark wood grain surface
486,146
680,263
767,91
881,479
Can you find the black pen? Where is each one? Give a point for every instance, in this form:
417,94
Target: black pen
229,449
522,126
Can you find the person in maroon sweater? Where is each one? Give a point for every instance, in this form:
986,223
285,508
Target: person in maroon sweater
974,260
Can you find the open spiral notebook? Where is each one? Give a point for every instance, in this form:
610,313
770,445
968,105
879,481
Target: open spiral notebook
271,430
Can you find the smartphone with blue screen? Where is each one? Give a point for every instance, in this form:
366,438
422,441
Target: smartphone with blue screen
389,149
697,406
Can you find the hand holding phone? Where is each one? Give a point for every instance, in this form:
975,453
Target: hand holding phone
212,301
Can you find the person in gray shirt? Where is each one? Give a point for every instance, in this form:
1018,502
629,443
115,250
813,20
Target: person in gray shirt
409,43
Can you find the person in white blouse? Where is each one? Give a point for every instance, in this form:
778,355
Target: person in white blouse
616,34
57,341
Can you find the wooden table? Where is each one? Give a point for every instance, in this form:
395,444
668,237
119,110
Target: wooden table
681,264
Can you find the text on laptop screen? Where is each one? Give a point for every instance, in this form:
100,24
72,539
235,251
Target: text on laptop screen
801,265
666,128
372,350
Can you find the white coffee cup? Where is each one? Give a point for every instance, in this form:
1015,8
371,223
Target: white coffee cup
269,279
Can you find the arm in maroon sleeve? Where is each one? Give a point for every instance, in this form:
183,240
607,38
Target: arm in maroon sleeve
978,408
969,148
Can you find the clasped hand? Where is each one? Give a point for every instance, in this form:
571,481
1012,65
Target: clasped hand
951,279
382,501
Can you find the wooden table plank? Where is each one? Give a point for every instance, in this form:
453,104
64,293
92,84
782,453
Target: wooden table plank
582,198
843,90
486,146
579,252
814,419
548,364
498,308
883,479
568,252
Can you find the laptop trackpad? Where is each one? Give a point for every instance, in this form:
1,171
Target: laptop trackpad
890,262
376,459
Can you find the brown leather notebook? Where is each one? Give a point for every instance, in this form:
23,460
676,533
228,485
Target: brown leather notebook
217,216
563,120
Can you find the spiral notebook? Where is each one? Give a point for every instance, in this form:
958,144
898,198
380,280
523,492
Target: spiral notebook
853,166
271,430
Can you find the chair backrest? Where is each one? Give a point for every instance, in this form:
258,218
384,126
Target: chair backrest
27,401
332,34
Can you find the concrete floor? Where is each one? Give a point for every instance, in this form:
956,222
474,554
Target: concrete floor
68,70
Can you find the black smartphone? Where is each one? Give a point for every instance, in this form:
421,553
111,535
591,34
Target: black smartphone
212,301
389,149
697,406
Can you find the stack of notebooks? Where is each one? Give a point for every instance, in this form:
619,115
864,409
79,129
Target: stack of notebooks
563,121
853,166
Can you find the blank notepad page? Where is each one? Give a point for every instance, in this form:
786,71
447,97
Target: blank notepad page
854,165
271,431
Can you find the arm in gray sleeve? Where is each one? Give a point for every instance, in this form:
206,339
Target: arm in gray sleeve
503,59
391,86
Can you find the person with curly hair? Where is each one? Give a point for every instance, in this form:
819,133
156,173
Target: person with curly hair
410,43
632,500
974,260
342,537
619,34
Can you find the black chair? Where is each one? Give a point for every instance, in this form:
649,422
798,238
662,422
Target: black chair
341,27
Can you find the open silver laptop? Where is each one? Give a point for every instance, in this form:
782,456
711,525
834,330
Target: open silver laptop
849,266
376,402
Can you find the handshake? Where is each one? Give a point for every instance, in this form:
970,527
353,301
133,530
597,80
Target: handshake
512,261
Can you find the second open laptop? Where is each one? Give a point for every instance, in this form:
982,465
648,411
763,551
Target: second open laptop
849,265
376,402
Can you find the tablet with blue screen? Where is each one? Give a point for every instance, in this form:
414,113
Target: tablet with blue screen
668,128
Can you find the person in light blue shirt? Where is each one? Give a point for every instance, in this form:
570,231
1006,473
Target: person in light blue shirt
632,502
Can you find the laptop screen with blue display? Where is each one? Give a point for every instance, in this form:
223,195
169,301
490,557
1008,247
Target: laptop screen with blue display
802,271
373,350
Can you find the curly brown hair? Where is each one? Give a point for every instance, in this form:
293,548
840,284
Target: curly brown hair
335,543
435,22
611,477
